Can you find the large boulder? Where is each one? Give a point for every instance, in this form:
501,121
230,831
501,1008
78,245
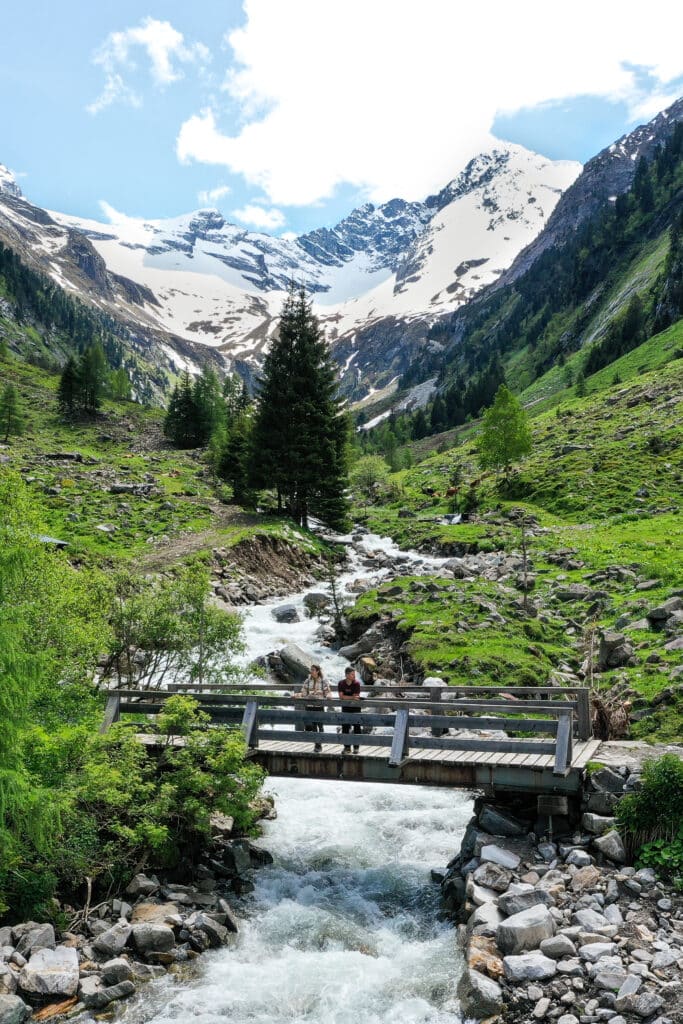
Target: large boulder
141,885
113,941
492,876
95,996
529,967
596,824
479,996
663,611
32,936
153,938
316,602
525,930
236,857
285,613
8,980
615,650
500,823
51,972
117,970
13,1010
512,903
499,855
611,846
297,662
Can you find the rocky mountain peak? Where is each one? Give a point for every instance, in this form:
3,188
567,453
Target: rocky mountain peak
8,183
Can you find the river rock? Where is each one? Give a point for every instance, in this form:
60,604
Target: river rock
216,933
236,857
141,885
285,613
512,903
353,651
6,936
492,876
13,1010
51,972
595,951
589,920
580,858
117,970
296,661
611,846
316,602
479,996
558,947
95,996
596,824
114,940
153,938
499,855
643,1004
499,823
608,781
529,967
525,930
32,936
8,980
586,878
485,920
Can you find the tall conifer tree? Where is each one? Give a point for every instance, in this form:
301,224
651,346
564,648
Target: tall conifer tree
301,431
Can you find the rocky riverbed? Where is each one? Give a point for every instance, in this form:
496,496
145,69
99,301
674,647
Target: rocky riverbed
563,930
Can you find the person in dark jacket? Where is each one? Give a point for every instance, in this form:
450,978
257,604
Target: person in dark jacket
349,693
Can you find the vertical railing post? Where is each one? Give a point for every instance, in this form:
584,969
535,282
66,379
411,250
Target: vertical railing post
112,712
583,714
250,724
563,744
400,742
435,698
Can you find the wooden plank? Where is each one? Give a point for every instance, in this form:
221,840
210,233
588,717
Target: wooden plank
497,724
399,745
325,738
510,746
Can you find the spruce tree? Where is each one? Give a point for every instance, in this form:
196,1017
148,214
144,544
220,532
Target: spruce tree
11,416
181,422
300,431
68,392
92,378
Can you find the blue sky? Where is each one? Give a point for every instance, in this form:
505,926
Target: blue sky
313,106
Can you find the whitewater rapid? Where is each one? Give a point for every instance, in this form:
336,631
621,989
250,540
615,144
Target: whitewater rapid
343,927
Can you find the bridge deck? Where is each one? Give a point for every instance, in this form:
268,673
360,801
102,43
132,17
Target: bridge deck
479,769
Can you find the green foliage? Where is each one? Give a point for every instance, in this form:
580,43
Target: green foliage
666,857
505,435
368,475
654,812
83,383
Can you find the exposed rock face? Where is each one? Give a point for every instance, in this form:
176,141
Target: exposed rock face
479,996
51,972
153,938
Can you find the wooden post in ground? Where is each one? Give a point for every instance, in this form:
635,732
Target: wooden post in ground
399,746
250,724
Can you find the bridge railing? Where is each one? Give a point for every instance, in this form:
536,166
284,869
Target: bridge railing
267,717
525,698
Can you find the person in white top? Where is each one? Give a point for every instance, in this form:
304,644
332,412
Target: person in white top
315,685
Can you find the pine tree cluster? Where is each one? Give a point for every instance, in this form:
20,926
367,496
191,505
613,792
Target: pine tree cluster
83,383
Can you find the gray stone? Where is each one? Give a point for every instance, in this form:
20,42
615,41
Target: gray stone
228,918
117,970
594,951
13,1010
615,650
558,947
512,903
602,803
499,823
643,1004
610,974
485,920
548,851
663,611
141,885
529,967
479,894
236,857
630,986
51,972
217,934
608,780
541,1008
499,855
596,823
571,967
525,930
493,876
613,914
589,919
8,980
114,940
611,846
579,857
665,958
479,996
568,1018
285,613
6,936
153,938
32,936
96,996
316,602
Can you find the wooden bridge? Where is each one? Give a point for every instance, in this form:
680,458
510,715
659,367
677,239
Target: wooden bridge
411,735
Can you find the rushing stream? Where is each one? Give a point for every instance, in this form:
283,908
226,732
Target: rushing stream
343,927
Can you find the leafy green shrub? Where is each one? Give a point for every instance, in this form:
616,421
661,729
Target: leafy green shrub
650,819
665,857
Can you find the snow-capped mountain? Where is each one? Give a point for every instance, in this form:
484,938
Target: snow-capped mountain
199,280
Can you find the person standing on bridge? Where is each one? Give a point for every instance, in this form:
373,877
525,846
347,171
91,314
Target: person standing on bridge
349,691
315,686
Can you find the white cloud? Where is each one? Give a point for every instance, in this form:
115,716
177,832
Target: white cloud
392,97
212,195
260,216
164,48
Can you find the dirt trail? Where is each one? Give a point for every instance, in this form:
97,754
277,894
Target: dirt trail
225,517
